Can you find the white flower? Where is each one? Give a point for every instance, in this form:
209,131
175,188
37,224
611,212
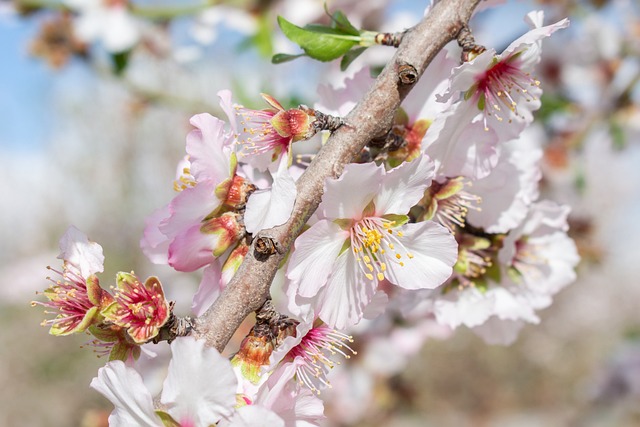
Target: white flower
362,238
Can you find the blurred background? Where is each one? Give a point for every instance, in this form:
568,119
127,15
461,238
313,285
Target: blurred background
94,109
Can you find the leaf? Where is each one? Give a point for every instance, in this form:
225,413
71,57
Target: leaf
120,61
319,42
279,58
350,56
341,22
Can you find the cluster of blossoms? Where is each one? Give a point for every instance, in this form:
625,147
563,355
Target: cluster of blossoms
442,225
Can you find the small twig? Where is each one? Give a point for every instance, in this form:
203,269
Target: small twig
470,49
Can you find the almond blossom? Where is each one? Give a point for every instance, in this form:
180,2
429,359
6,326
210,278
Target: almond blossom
77,298
501,87
199,389
363,237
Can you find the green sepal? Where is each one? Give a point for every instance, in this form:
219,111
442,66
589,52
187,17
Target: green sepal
481,284
319,42
104,335
166,419
397,219
94,291
493,272
109,312
121,351
346,245
250,371
87,320
344,223
514,275
369,210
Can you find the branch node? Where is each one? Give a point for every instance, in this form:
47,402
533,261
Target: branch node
266,246
407,74
470,49
389,39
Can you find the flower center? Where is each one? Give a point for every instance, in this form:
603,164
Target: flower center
314,355
503,86
373,240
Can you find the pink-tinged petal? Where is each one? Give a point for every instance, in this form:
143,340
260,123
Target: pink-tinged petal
192,249
421,103
432,252
469,307
499,332
377,306
271,207
339,101
209,149
209,290
189,208
404,186
509,189
459,146
154,243
133,403
200,384
254,416
315,253
227,106
84,255
534,19
466,75
341,303
347,196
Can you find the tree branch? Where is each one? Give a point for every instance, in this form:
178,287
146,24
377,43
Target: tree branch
371,118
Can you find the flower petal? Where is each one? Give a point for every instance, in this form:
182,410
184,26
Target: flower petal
76,249
315,253
271,207
404,186
133,403
200,384
209,149
433,252
347,196
342,301
154,243
189,208
192,249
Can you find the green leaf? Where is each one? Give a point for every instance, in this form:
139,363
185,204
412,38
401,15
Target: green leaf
341,22
319,42
279,58
120,61
350,56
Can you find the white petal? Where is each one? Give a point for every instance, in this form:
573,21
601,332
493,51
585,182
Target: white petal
133,403
347,196
404,186
200,384
269,208
468,307
342,301
76,249
499,332
315,253
434,252
120,31
254,416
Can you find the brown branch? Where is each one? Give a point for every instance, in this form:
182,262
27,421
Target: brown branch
371,118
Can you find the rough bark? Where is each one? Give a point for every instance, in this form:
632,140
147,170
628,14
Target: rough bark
371,118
